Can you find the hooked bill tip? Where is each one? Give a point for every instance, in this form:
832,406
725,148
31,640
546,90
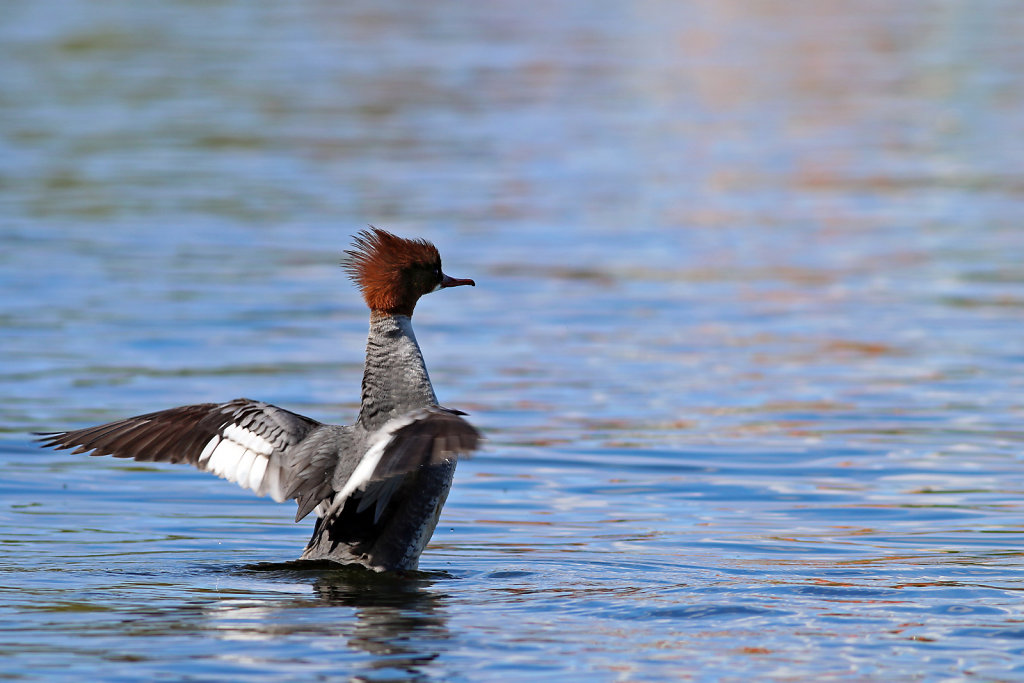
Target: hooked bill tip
447,281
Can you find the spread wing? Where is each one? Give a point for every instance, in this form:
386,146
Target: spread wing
282,454
429,436
257,445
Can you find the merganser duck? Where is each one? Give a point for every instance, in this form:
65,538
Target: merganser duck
377,486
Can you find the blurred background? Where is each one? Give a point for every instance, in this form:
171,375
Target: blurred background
746,341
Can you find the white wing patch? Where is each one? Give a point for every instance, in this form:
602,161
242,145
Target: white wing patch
256,473
243,456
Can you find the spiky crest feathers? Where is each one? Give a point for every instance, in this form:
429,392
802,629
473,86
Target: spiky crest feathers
392,272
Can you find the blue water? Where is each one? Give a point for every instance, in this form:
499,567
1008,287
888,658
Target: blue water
746,342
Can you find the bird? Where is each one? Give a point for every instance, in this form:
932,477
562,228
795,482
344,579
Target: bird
376,486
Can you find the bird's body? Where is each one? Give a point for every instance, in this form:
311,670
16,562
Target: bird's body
377,486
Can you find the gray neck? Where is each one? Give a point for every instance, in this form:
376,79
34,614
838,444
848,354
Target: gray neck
395,380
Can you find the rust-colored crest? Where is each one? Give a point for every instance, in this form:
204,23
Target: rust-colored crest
381,265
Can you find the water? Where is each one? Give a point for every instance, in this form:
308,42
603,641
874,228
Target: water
746,341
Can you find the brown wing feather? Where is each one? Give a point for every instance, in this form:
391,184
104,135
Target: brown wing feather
430,440
434,436
183,434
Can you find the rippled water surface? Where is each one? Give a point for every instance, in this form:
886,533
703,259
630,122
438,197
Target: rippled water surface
746,342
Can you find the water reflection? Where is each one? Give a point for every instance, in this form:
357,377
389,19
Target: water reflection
400,621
